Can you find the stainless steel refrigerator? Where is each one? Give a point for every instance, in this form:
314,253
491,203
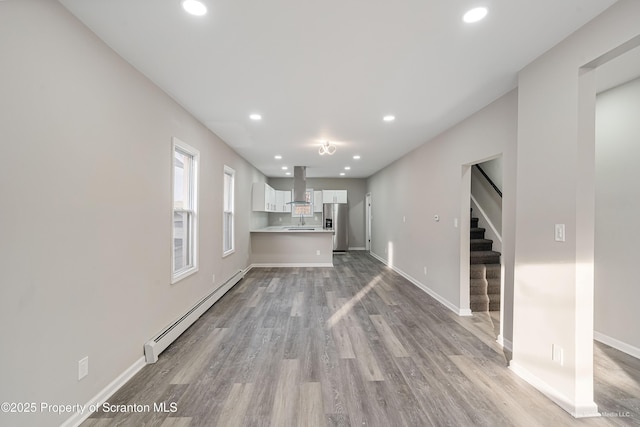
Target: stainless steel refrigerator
335,216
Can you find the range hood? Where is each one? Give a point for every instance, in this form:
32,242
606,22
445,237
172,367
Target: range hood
299,186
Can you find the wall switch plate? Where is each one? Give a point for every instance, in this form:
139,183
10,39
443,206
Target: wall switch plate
213,278
559,233
557,354
318,252
83,367
436,218
425,271
404,219
455,222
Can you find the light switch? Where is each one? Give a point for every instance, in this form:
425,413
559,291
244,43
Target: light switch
560,237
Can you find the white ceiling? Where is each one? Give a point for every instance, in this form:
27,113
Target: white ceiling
330,70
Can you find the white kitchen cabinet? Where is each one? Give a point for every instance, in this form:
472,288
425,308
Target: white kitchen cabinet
287,200
317,201
263,197
283,200
334,196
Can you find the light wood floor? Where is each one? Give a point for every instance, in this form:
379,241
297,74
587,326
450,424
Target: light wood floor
353,345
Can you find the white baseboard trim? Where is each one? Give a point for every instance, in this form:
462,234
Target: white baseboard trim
576,410
293,264
617,344
92,405
425,288
504,343
357,248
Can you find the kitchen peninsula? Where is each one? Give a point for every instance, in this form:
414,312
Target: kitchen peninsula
292,246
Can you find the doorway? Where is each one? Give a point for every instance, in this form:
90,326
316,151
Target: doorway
482,272
616,152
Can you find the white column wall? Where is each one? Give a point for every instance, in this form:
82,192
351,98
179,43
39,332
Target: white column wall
553,295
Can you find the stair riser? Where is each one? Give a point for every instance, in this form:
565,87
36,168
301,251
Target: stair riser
479,303
481,246
485,260
477,234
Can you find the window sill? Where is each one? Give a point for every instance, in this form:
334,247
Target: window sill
227,253
183,274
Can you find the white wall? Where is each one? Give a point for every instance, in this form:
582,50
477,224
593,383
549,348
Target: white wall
433,180
553,299
356,192
493,168
85,183
617,210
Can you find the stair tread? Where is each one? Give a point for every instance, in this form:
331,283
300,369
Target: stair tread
481,240
485,253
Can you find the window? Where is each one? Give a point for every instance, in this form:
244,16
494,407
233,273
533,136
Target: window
304,210
227,212
185,210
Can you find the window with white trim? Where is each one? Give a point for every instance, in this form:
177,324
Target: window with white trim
304,211
185,210
228,245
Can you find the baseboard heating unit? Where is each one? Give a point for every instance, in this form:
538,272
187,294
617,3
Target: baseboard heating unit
160,342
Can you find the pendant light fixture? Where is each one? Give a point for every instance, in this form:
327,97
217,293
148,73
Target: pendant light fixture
327,148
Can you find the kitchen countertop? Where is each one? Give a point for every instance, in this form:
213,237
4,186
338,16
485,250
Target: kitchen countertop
292,229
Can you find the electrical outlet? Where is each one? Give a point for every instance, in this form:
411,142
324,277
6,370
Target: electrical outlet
436,218
83,367
213,278
404,218
557,354
559,233
280,219
318,252
455,222
425,271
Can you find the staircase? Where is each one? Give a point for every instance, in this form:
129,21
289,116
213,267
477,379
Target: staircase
484,271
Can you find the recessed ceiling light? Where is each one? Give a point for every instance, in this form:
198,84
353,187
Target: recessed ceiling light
194,7
475,15
389,118
277,157
255,117
347,168
342,173
284,168
356,157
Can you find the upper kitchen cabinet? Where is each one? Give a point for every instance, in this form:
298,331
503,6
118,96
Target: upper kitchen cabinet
283,201
263,197
334,196
317,201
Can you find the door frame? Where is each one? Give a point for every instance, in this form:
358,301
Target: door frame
367,237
